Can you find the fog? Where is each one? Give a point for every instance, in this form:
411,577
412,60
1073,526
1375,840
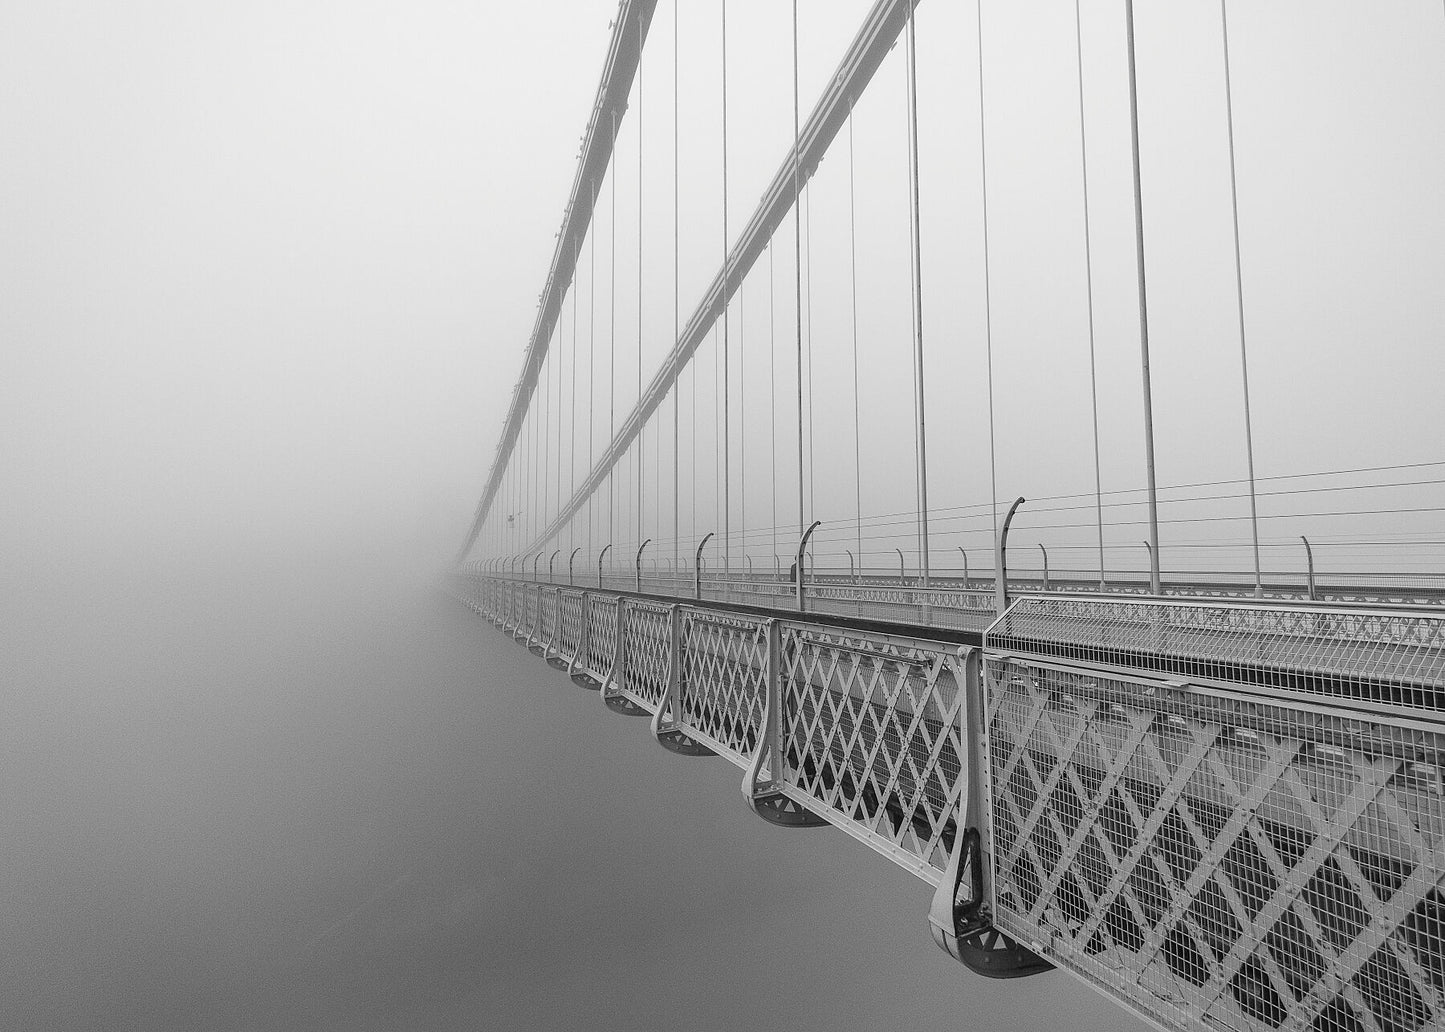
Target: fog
266,273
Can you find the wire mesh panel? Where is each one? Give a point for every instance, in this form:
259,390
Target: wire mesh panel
548,630
601,636
1381,658
872,730
533,608
1215,859
646,651
570,614
519,605
724,673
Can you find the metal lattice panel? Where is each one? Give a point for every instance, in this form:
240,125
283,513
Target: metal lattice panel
646,651
548,604
871,728
1217,860
724,673
570,609
533,597
601,637
1378,658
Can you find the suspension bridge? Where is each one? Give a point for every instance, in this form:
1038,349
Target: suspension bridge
1181,739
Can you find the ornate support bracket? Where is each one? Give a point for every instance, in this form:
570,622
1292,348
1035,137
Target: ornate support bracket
667,725
763,791
612,696
961,916
962,924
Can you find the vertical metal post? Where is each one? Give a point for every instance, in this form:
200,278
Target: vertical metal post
914,214
902,573
1046,565
674,665
637,563
727,535
600,556
800,558
1310,568
852,576
570,560
798,264
1154,585
965,566
773,711
676,297
619,669
1000,558
550,560
697,567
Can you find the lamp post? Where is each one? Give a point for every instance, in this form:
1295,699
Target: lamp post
1000,558
697,566
799,558
637,564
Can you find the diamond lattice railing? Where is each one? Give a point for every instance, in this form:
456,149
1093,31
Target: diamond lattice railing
571,606
871,727
548,604
1218,860
646,652
602,637
724,673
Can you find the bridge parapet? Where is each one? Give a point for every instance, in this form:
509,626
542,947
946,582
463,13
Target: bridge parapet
1224,815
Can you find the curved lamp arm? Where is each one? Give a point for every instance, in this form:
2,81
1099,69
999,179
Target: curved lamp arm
600,556
637,563
798,558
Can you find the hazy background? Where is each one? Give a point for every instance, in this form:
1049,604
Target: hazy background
266,273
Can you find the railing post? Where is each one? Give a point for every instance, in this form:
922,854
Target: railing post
965,566
667,720
570,560
902,572
960,915
697,567
536,559
600,556
613,698
1046,565
550,560
1000,558
773,717
619,669
1310,568
852,576
764,794
798,560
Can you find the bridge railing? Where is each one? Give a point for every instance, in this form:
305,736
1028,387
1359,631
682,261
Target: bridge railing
1226,815
954,602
